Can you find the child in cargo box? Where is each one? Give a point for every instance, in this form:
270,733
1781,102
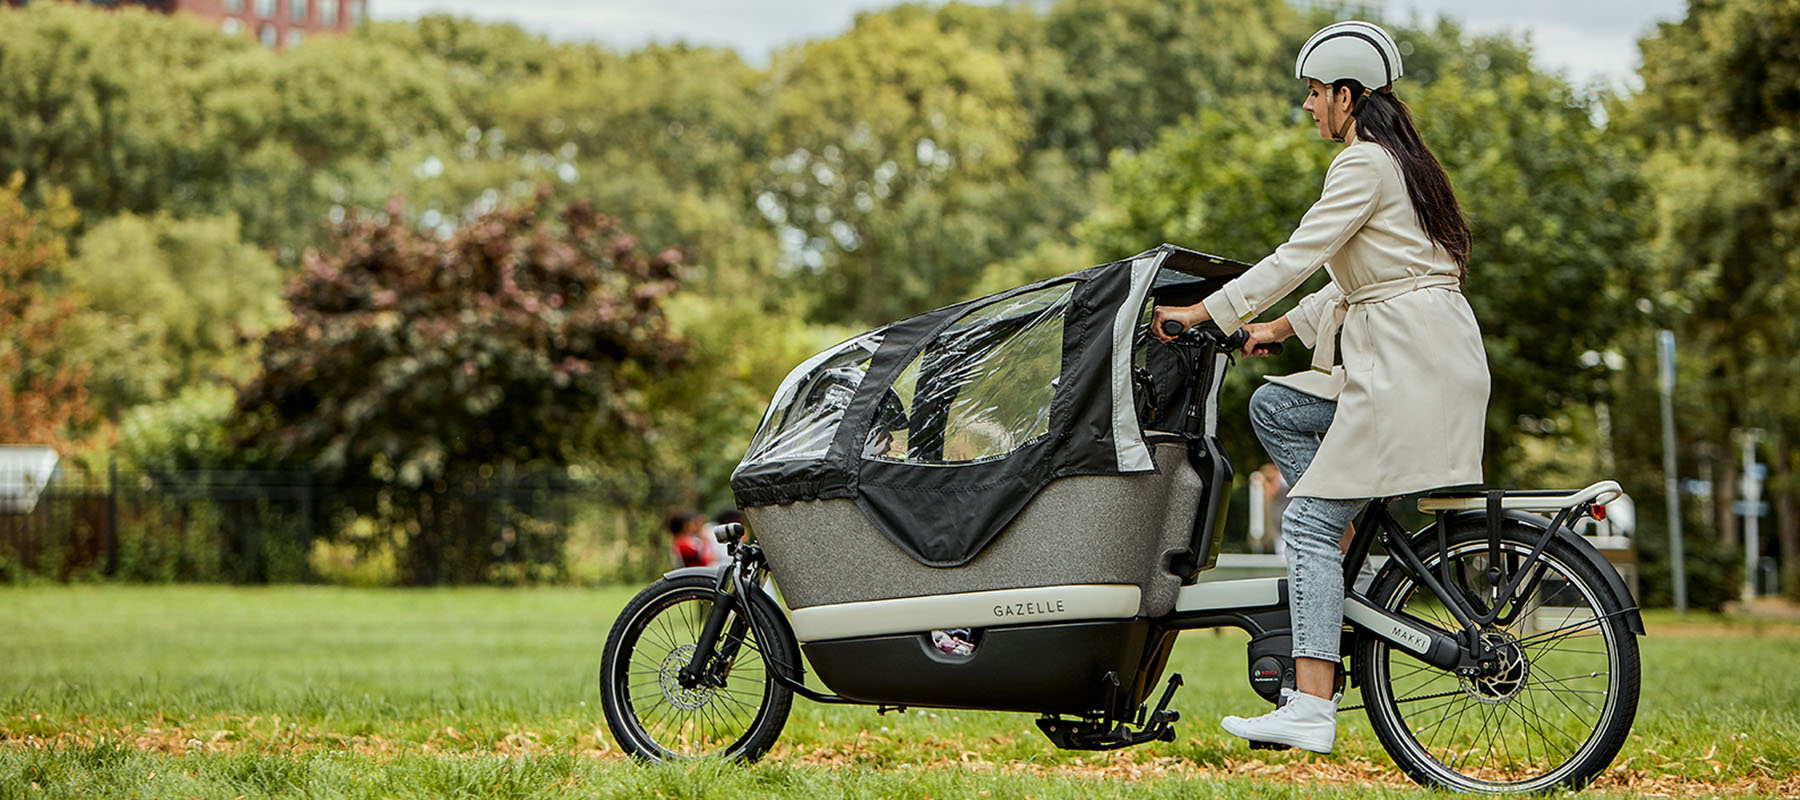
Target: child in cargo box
1404,412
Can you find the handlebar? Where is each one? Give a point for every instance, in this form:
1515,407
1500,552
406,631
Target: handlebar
1235,341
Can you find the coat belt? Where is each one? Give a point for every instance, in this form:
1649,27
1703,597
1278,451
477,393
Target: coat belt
1325,355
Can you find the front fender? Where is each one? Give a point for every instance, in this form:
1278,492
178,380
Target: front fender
1634,621
712,572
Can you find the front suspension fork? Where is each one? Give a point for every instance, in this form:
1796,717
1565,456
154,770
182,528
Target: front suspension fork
725,601
730,617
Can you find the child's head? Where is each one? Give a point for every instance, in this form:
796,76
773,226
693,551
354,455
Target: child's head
680,521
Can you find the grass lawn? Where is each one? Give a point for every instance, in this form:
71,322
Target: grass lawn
205,691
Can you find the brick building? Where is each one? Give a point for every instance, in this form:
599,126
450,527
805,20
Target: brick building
275,23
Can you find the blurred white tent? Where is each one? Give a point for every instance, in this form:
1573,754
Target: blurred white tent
24,472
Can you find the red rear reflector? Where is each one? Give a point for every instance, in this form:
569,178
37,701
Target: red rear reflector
1598,512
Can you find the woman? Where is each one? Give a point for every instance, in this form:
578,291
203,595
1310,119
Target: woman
1404,412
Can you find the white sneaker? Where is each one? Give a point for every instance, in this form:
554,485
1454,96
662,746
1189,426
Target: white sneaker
1304,721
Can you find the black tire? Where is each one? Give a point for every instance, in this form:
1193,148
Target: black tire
653,717
1554,719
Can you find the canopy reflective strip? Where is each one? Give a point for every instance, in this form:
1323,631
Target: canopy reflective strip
1030,606
1128,438
1212,394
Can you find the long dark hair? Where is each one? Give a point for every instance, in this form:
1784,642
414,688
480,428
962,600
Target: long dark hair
1386,121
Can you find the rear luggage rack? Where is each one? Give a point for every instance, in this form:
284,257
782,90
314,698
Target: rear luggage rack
1599,493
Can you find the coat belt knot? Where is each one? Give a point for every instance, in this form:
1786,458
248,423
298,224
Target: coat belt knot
1325,354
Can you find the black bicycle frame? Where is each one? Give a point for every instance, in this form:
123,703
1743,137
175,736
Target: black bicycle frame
1377,523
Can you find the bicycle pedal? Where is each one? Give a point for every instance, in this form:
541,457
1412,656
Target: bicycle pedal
1254,745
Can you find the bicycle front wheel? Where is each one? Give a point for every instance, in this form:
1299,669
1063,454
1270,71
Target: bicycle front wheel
1555,714
737,711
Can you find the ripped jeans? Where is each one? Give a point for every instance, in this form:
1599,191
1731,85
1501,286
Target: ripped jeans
1291,425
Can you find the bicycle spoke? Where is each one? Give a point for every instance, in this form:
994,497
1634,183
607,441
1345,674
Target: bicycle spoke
1564,631
1588,677
1446,717
1551,725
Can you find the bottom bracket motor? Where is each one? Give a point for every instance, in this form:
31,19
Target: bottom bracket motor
1272,664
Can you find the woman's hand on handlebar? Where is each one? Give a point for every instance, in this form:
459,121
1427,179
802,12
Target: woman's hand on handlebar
1187,316
1263,334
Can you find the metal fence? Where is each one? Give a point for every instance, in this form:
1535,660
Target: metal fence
261,527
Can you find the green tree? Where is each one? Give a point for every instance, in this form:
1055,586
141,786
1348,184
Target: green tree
188,431
78,110
428,366
672,139
166,304
898,170
1719,114
1135,67
147,113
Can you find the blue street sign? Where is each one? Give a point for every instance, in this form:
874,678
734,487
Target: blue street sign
1745,508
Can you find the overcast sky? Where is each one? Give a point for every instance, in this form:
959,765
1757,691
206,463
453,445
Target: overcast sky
1587,39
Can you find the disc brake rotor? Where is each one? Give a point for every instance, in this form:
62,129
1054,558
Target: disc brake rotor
1505,683
669,676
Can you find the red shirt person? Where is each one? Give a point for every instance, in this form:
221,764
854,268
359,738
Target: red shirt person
687,544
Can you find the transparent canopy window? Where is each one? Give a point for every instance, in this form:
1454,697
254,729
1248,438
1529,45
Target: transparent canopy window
981,389
809,405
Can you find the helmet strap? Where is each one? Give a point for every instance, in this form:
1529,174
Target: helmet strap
1338,131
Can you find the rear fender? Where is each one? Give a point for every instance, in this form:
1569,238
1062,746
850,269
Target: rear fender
1426,540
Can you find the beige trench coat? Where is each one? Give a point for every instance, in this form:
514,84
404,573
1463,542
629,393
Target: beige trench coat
1412,390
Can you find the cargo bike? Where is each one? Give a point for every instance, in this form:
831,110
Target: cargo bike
1012,504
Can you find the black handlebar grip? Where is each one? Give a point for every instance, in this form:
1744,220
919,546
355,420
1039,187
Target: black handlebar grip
1237,339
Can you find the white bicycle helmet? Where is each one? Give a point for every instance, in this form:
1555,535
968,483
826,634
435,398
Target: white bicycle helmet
1356,50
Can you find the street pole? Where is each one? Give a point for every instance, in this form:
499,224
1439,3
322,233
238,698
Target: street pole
1750,489
1665,364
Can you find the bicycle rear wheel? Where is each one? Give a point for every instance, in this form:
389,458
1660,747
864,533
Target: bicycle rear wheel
740,709
1559,709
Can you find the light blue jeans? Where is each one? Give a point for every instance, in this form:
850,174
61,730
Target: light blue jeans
1291,425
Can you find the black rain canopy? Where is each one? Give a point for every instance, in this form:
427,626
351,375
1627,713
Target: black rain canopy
943,426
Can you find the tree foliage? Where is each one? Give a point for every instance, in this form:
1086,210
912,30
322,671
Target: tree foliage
522,340
1720,115
43,397
80,115
1135,67
166,304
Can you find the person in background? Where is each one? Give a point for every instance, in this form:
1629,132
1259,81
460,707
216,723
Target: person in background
725,516
686,544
